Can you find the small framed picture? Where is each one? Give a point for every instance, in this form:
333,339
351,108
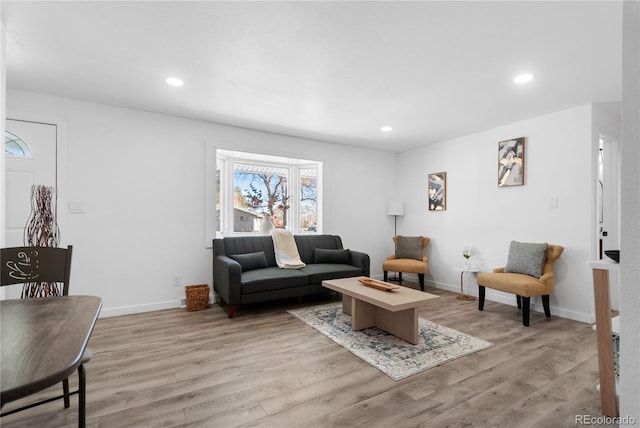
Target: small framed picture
437,191
511,162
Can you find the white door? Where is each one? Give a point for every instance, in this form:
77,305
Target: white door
33,162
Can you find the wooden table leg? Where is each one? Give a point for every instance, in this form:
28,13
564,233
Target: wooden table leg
346,304
363,315
402,324
605,343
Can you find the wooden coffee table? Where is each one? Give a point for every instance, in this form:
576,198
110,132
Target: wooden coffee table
393,311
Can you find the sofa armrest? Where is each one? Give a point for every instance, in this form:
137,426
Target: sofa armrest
361,260
226,279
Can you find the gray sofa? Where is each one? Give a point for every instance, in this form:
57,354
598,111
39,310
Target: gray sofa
245,269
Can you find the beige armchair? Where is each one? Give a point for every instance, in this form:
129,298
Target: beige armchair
523,285
405,262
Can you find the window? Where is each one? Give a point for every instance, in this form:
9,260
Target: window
15,146
309,199
252,190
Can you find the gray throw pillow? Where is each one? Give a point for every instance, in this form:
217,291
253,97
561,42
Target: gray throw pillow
322,255
409,247
526,258
251,261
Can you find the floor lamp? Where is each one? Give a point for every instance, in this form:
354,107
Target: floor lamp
395,208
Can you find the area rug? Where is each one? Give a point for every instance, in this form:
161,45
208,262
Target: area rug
392,356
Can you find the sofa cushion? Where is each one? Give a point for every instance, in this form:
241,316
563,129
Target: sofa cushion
251,261
527,258
409,247
323,255
307,245
250,244
271,278
323,271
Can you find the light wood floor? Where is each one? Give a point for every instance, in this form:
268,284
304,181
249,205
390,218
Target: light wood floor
266,368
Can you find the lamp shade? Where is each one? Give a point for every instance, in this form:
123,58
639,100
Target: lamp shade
395,208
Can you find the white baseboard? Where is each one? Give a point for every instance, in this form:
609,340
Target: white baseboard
136,309
494,296
509,299
148,307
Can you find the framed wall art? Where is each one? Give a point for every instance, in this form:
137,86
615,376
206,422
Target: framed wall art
437,191
511,162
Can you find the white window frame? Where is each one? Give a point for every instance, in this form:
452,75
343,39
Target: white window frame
228,158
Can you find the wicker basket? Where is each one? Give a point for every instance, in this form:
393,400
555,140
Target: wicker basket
197,297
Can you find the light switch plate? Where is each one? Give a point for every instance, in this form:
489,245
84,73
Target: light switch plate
76,207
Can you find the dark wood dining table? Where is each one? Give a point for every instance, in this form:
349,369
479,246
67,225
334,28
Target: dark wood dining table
43,342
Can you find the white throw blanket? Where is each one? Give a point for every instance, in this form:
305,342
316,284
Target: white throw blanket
287,256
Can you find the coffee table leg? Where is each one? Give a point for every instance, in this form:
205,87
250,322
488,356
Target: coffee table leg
402,324
363,315
346,304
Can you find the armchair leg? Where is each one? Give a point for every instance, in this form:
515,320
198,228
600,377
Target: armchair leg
421,280
481,291
386,276
525,310
519,301
545,303
400,278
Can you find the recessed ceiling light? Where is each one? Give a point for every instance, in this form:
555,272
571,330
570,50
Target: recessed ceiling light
174,81
386,129
523,78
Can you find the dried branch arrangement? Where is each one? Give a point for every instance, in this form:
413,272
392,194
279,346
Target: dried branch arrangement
42,231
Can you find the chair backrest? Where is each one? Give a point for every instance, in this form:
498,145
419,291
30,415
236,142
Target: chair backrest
425,241
553,254
36,264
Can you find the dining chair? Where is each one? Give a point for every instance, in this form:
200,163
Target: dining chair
51,266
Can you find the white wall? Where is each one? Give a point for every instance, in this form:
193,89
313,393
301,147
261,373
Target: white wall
141,177
3,98
559,156
630,239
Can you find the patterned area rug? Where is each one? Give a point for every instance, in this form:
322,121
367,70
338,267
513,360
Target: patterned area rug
392,356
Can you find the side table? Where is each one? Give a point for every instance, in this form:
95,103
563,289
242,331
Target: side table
462,271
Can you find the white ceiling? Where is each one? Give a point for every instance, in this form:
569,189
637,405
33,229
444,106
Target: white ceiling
334,71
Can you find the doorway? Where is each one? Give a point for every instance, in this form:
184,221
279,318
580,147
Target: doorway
31,157
608,210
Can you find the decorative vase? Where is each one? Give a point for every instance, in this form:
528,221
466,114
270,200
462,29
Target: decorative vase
466,253
42,231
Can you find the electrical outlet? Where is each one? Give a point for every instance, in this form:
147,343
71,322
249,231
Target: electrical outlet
177,280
